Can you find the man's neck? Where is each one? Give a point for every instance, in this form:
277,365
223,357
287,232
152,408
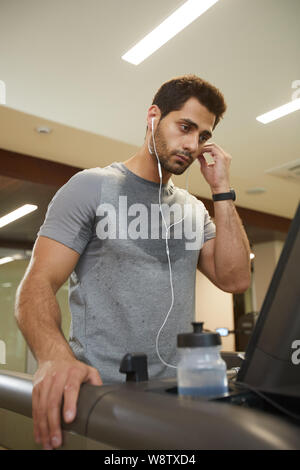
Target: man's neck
145,165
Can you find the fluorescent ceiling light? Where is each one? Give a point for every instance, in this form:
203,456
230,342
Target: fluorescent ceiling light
277,113
2,92
7,259
175,23
14,215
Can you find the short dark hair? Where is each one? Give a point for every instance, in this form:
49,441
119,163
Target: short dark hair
173,94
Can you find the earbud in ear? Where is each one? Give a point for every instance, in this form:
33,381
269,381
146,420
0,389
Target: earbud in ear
152,125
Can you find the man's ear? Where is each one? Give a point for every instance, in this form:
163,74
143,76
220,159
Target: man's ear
153,112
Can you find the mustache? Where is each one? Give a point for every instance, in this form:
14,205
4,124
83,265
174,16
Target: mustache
184,154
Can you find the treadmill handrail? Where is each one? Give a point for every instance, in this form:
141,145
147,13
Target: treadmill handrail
134,416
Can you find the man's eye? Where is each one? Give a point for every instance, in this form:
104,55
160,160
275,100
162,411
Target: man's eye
186,127
204,138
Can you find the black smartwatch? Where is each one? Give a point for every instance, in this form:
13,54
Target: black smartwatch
224,196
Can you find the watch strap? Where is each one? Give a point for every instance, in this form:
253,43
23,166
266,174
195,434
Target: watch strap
224,196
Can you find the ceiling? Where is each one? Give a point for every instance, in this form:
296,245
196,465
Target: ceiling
61,63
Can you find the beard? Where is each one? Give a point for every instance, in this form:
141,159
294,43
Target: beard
166,156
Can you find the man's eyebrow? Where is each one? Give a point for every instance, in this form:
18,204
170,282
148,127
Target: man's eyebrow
193,124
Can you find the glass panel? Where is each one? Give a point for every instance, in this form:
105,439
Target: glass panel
13,345
21,233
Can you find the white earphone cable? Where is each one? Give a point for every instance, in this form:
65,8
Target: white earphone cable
167,246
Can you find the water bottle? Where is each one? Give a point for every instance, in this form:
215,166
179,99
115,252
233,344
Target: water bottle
201,371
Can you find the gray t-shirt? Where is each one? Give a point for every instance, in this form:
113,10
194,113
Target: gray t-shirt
120,291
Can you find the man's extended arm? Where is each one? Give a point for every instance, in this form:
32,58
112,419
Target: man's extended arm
59,374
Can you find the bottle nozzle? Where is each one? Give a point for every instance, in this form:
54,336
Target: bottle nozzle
198,327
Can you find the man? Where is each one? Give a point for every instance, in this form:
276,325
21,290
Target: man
118,266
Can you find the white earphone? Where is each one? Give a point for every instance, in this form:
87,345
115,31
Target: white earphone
167,246
150,151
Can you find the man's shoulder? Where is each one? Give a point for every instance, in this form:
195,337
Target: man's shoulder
90,176
97,172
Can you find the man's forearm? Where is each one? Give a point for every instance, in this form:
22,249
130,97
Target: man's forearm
38,316
232,249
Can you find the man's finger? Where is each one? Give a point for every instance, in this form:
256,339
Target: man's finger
71,392
94,377
72,388
54,406
41,414
203,162
35,407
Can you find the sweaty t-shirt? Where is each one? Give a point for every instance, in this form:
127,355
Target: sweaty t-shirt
120,290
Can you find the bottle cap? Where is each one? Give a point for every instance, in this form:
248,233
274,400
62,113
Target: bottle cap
198,338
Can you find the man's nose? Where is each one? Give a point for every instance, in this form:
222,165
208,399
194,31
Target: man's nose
191,144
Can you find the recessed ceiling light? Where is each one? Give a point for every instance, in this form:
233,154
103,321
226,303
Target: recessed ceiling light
16,214
43,130
277,113
175,23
